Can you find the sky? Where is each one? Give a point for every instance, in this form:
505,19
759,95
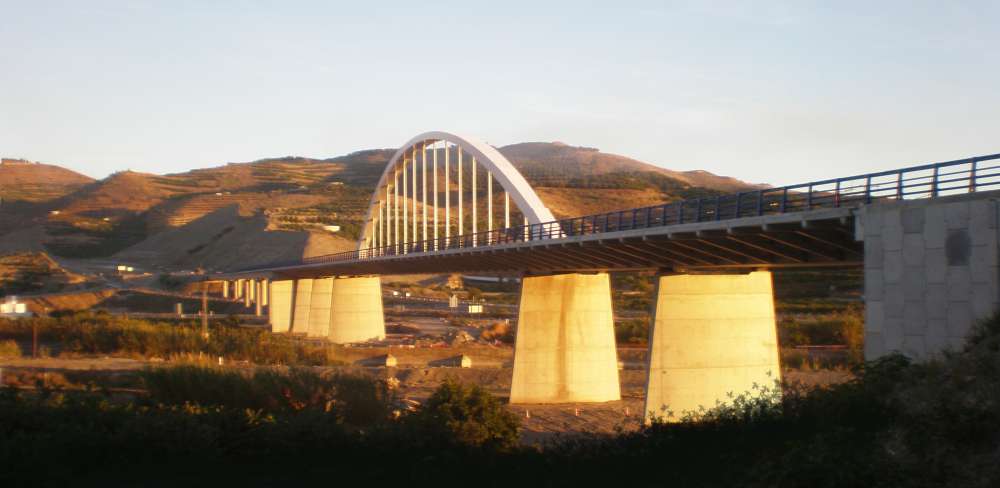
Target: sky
768,92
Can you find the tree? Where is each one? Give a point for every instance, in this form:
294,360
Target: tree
465,414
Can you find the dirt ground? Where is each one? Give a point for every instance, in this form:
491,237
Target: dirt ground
540,423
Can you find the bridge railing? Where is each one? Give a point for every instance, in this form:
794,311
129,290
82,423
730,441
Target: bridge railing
925,181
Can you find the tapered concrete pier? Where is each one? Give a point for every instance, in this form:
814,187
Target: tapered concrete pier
712,335
565,348
258,293
356,313
301,306
280,308
319,307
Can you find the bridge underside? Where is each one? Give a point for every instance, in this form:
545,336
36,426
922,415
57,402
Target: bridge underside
822,238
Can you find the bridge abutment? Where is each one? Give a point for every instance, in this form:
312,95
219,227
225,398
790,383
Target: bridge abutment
712,335
565,346
932,269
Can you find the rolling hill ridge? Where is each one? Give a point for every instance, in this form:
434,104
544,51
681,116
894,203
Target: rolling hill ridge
141,216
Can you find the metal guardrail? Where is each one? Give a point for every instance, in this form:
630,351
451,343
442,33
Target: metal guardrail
924,181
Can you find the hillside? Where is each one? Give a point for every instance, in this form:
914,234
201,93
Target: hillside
225,239
35,182
547,162
33,272
283,203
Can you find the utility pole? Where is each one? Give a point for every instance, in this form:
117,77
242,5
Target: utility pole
204,303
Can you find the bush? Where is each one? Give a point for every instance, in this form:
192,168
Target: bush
632,330
96,333
466,415
9,349
355,400
500,331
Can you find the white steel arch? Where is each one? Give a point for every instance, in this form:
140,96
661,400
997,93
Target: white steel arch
510,179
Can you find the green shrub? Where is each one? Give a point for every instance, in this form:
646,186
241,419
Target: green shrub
632,330
464,414
354,399
95,333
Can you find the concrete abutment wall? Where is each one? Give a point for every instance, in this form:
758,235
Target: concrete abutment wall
931,272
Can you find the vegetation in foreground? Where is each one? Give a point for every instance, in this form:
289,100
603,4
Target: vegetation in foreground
896,424
101,333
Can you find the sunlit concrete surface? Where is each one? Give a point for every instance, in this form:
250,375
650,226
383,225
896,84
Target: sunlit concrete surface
280,310
319,307
565,348
301,305
712,335
356,310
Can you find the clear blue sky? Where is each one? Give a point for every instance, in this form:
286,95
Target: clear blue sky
767,92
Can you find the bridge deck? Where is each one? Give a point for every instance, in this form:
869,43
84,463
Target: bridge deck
807,225
806,239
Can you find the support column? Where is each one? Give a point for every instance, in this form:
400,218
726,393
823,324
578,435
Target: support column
238,289
265,292
225,288
565,349
259,302
319,307
712,335
356,310
247,293
301,304
280,310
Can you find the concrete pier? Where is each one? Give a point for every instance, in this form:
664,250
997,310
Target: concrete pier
301,306
258,303
225,288
712,335
356,313
319,307
280,310
565,348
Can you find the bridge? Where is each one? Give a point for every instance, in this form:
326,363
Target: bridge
926,236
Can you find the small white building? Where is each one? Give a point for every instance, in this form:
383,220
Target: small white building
12,308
